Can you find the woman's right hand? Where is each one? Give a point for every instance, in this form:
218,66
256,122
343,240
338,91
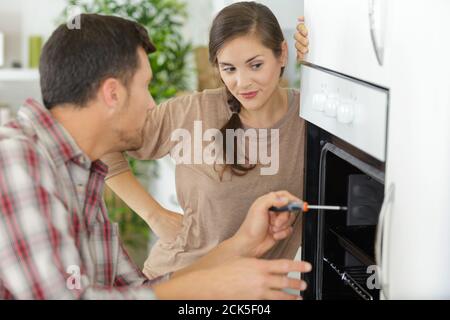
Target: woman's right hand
164,223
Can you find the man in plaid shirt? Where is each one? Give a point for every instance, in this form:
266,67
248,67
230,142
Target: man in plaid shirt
56,241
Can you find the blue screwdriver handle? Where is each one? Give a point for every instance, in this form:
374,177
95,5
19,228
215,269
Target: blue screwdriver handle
293,206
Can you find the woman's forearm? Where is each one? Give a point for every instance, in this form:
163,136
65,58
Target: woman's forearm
164,223
130,190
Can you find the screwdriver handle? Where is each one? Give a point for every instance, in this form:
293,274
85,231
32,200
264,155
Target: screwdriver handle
292,206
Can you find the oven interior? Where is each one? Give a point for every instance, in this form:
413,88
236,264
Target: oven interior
347,238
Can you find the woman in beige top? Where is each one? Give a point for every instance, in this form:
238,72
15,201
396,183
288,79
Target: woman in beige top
248,47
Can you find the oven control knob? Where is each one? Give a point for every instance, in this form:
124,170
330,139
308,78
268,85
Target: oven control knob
319,100
331,106
345,112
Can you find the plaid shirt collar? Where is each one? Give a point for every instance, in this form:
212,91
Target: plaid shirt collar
59,143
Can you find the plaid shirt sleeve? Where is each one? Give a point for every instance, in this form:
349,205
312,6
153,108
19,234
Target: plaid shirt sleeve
129,275
37,248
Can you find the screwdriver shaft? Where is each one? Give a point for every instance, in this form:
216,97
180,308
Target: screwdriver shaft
294,206
326,207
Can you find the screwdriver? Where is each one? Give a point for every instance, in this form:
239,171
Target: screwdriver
304,207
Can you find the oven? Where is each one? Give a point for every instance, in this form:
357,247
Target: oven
345,165
362,67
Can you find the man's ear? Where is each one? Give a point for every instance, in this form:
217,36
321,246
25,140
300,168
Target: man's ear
110,91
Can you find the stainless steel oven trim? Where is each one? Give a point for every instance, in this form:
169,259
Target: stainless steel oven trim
345,76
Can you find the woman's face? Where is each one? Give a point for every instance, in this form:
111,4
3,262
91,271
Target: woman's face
250,70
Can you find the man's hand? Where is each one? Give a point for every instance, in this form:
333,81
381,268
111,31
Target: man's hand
241,278
301,39
262,228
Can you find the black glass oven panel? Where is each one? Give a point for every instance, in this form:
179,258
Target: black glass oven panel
329,235
365,196
348,237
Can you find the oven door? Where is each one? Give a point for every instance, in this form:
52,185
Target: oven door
341,244
345,165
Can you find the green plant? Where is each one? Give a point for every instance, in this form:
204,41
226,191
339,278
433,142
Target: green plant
163,20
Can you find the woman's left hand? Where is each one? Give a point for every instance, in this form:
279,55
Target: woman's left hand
262,228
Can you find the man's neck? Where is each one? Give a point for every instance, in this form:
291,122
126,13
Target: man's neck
83,124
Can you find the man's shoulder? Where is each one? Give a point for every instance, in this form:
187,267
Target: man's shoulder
14,134
24,168
19,147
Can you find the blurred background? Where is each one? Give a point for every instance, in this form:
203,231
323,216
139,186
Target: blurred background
179,28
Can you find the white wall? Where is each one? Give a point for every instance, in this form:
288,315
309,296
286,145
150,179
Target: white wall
39,18
200,14
286,11
22,18
10,25
18,21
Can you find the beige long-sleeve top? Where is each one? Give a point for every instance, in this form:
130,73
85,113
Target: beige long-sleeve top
215,208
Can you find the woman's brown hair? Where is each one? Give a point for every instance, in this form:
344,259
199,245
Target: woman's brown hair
239,19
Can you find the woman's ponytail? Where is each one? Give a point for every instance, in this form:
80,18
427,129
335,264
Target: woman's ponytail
233,123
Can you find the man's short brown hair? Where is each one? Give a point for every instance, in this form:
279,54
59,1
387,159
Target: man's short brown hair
74,62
